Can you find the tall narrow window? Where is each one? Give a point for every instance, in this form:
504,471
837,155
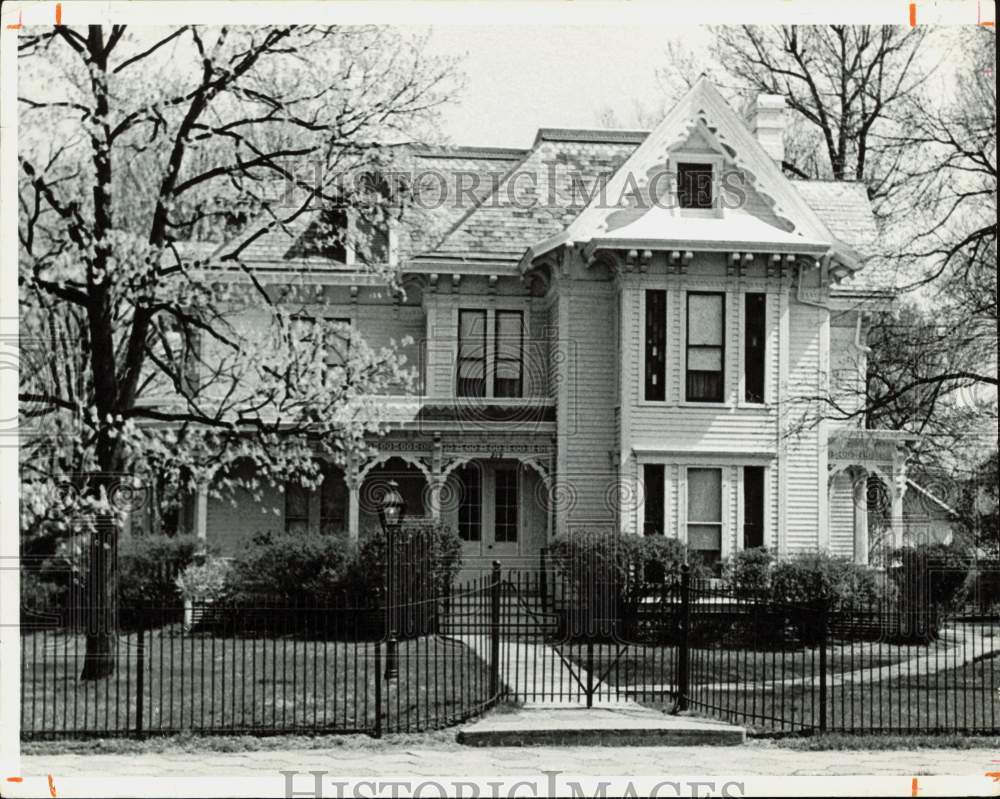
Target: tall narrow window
754,342
471,354
508,348
332,342
652,477
505,519
705,514
705,348
656,345
296,508
470,507
694,185
333,501
753,506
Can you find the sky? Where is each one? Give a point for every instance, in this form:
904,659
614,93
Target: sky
519,79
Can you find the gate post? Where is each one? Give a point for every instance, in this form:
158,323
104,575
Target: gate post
378,687
683,665
495,631
824,626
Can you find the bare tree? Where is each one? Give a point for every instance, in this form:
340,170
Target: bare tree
134,148
845,81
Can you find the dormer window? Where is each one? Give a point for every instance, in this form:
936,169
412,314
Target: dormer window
694,186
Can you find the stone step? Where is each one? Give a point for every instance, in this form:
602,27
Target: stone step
607,726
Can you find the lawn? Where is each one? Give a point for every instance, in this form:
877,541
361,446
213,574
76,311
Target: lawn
964,698
206,683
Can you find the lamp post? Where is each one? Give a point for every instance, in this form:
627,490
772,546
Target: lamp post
390,513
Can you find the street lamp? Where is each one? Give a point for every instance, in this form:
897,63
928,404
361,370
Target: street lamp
390,513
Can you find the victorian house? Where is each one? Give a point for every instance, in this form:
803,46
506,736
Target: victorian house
637,331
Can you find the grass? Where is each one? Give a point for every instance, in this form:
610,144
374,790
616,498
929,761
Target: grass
964,698
200,682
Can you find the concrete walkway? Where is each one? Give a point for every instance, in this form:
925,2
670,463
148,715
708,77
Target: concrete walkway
537,676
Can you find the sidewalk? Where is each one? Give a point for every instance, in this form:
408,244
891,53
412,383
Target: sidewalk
758,757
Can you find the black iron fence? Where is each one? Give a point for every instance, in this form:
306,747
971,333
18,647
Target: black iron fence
521,636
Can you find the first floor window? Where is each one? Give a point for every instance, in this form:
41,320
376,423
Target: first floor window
705,348
296,509
652,477
505,520
470,504
333,501
704,513
471,354
753,506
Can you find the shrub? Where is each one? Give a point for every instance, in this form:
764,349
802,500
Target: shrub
147,568
289,570
748,572
204,582
809,585
42,601
610,574
982,588
930,576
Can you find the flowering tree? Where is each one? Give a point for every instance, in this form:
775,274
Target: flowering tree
150,165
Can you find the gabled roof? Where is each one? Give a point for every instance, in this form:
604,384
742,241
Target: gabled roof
701,109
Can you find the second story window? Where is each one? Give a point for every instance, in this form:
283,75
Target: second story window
694,186
490,353
656,344
754,342
471,354
706,315
508,346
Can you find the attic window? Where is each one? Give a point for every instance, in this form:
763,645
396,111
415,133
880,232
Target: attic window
694,186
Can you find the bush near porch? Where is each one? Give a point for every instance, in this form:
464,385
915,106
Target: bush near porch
319,578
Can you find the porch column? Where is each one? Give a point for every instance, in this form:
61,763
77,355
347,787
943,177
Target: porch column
436,479
353,508
860,496
898,491
201,513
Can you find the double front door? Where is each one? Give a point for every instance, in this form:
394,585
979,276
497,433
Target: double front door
489,518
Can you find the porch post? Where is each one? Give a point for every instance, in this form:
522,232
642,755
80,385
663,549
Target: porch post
860,496
898,491
353,508
201,513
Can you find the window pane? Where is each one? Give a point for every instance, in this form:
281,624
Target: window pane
705,319
705,536
656,344
704,495
754,333
296,508
705,359
653,476
470,507
471,354
753,506
508,360
694,185
505,530
468,369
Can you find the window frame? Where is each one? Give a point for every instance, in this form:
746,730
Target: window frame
721,399
660,507
743,502
290,486
311,319
475,524
698,167
460,359
717,163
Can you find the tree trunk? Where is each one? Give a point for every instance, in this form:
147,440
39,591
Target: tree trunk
101,594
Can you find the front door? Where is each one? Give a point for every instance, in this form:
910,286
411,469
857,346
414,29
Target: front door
489,518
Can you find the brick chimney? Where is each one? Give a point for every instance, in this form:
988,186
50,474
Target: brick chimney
767,121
